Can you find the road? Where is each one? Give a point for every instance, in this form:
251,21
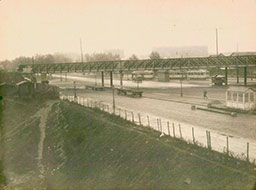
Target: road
166,103
158,101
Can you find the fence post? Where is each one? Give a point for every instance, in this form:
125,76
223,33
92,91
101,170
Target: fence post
168,127
160,124
227,146
193,135
148,121
139,118
180,131
208,136
210,141
173,128
248,151
125,114
132,117
157,124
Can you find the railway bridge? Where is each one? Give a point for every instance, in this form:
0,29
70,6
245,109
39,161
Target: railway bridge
164,65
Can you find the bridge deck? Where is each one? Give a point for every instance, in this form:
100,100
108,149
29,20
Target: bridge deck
149,64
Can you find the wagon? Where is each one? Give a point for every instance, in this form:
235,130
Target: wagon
129,92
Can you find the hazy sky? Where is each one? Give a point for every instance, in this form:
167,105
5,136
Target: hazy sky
29,27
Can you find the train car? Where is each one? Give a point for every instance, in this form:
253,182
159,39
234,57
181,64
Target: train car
190,74
198,74
177,74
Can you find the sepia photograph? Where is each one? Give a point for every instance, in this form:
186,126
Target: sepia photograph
128,95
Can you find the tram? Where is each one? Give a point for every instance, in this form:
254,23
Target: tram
189,74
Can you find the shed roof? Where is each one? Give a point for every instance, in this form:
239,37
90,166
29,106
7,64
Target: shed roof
23,82
240,89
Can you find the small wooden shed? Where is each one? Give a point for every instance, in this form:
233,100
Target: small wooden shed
240,97
25,88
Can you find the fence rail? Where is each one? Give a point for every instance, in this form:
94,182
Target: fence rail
238,147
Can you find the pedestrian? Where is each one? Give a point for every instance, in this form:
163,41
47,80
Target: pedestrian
205,94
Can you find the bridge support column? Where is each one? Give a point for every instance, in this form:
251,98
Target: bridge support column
66,78
245,76
121,79
163,76
237,75
111,78
102,78
226,76
50,75
43,76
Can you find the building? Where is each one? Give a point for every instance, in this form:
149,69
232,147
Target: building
25,89
180,52
240,97
243,53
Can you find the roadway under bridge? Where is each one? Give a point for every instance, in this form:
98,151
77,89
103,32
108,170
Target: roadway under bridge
163,65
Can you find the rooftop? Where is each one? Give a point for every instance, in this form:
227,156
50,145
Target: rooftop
240,89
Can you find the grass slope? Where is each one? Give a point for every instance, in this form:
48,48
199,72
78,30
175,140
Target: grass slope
89,149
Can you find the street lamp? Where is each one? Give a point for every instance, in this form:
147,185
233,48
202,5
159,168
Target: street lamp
114,103
181,92
75,89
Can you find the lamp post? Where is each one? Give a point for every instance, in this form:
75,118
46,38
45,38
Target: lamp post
181,92
75,89
217,42
95,79
114,103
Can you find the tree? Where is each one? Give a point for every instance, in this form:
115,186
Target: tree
102,57
133,57
154,55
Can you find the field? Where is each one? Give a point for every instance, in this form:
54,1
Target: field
89,149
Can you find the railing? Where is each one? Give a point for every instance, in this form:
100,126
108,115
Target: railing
243,149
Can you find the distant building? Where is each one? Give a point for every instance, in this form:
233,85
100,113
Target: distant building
240,97
119,52
184,51
243,53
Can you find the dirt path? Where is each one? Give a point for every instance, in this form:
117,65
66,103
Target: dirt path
17,181
43,114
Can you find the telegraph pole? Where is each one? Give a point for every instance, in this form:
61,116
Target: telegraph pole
75,89
181,91
114,103
217,43
81,49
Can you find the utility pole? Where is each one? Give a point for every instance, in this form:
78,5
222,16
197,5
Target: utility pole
114,103
81,49
217,43
75,89
181,92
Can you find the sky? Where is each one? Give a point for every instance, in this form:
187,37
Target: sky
30,27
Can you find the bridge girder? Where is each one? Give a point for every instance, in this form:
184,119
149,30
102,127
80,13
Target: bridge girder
157,64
